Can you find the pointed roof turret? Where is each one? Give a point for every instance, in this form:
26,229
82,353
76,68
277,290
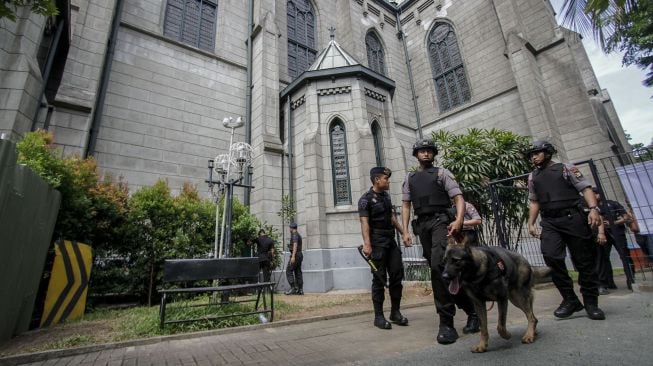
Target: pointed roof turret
332,56
334,62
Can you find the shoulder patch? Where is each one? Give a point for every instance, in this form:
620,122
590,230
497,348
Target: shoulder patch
362,204
573,170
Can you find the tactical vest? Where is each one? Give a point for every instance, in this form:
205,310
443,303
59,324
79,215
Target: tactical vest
427,195
380,211
553,191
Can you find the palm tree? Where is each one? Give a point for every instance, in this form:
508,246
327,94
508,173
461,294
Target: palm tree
595,17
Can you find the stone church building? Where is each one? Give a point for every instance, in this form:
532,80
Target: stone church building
327,90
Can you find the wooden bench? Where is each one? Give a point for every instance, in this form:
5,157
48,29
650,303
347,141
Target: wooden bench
243,287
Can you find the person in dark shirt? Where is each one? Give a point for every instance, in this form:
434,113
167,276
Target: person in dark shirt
294,269
554,193
614,218
265,251
378,224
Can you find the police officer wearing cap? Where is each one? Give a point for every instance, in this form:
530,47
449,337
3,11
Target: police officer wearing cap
294,273
378,224
553,191
429,191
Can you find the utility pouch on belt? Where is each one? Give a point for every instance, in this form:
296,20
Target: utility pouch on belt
415,226
451,214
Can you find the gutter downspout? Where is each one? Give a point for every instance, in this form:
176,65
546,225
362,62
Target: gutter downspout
89,149
410,73
291,153
248,94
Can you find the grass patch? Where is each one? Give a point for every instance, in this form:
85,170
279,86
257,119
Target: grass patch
103,325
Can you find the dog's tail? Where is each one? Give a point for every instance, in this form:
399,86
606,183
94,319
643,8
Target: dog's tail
541,273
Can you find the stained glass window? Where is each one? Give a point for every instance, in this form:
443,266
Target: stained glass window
340,164
301,36
191,22
450,79
378,143
375,54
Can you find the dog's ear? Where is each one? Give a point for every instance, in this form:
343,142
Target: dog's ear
453,242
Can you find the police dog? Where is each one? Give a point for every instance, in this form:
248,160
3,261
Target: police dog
492,274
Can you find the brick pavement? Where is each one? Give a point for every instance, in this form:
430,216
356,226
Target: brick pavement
322,342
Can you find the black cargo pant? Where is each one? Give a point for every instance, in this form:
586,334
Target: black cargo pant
266,268
432,232
603,264
294,272
387,259
572,232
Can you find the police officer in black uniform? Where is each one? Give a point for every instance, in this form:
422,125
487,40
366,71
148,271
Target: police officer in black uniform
378,224
429,191
553,191
265,250
294,273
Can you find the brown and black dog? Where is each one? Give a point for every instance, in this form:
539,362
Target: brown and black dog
492,274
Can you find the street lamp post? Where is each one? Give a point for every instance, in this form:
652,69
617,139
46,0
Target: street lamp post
230,169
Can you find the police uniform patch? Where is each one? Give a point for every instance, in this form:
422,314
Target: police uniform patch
576,172
362,204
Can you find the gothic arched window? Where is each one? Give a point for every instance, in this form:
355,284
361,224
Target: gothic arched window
191,22
378,143
449,76
375,54
301,36
339,164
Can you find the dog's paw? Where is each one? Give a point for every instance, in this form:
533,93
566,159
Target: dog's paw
528,338
504,333
480,348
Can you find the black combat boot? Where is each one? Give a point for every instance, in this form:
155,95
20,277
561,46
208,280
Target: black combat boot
381,323
473,324
299,292
592,309
447,334
397,318
292,291
567,308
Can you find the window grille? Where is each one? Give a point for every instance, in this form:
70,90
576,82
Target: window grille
375,54
301,36
192,22
340,164
378,143
447,66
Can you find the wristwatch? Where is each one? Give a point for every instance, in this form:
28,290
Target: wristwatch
596,208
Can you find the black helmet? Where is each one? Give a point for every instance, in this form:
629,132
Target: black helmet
425,144
541,145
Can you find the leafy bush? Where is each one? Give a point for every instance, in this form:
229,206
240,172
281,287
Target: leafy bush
481,156
131,237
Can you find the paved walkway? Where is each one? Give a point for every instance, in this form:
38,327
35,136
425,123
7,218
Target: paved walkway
349,340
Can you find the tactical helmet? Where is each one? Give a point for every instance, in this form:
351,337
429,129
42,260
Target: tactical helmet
541,145
425,144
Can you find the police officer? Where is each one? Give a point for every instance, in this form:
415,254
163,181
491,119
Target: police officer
294,269
471,221
553,191
378,224
429,191
265,250
614,217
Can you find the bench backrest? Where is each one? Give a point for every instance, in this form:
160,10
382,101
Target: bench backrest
178,270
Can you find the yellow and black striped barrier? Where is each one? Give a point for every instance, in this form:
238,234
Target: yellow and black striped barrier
66,296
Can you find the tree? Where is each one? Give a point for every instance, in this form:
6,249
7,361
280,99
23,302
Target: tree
46,8
479,157
618,25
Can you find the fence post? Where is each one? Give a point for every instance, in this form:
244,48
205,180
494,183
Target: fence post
498,219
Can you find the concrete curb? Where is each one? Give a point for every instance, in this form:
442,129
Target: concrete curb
25,358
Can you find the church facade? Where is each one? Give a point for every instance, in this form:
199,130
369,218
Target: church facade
327,89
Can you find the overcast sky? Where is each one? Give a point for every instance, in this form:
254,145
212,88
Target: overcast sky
631,99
